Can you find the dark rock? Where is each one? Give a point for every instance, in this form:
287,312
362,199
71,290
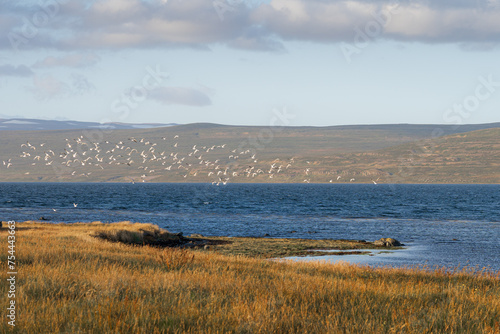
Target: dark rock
267,235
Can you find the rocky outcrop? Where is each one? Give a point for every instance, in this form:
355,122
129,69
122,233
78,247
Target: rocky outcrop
387,242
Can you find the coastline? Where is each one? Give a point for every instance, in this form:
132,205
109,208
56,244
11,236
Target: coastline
93,285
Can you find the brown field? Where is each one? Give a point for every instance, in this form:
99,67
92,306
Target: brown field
71,282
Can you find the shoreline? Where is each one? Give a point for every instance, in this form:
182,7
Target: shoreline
258,247
96,286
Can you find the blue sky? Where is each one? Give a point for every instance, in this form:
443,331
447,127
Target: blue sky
237,62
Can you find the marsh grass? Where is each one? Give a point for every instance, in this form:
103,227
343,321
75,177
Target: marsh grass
285,247
71,282
149,235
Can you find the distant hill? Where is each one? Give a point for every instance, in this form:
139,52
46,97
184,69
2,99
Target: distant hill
470,157
203,152
26,124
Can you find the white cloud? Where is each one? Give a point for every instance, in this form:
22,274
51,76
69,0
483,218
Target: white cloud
180,95
318,20
117,24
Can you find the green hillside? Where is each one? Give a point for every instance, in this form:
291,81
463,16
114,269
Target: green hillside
219,154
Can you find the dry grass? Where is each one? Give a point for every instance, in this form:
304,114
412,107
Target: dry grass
70,282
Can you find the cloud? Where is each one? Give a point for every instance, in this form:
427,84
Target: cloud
112,24
256,39
262,25
180,95
78,60
15,71
333,21
46,87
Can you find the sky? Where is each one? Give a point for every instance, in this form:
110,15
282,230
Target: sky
237,62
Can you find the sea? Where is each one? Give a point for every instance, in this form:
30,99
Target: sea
442,226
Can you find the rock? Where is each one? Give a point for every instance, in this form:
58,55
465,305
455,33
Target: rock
206,247
196,235
387,242
267,235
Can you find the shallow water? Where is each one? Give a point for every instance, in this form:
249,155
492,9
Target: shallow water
443,225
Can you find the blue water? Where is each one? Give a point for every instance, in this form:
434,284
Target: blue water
442,225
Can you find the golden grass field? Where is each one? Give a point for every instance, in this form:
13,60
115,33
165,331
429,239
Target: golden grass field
71,282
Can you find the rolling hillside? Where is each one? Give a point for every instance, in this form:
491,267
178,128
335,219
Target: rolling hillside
219,154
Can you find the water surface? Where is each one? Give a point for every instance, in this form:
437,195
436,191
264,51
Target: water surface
443,225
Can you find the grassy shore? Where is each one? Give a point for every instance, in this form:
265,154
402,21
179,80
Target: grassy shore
72,282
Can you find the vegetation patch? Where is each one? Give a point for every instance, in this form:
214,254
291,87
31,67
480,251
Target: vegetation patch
152,235
286,247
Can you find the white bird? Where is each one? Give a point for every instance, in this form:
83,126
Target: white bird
75,205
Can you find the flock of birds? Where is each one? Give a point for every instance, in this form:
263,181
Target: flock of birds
142,160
